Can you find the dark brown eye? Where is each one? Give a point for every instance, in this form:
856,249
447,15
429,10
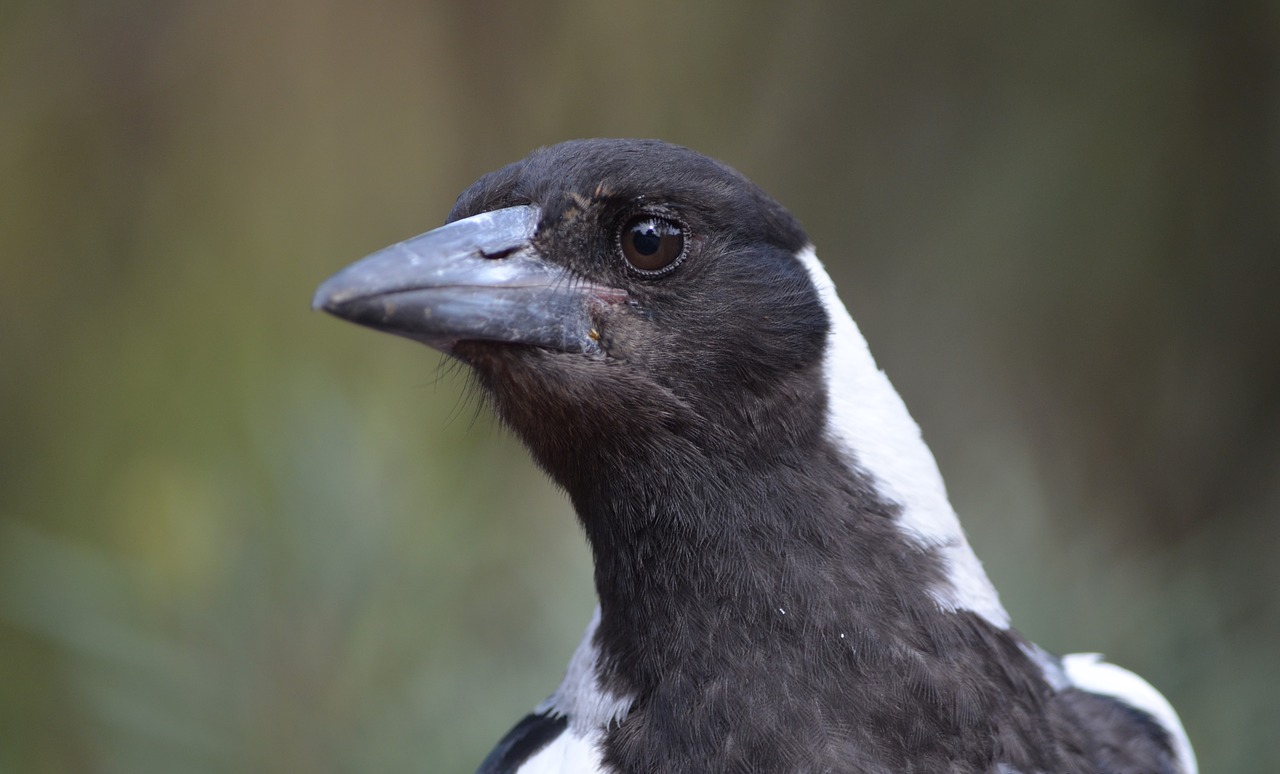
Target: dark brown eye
652,245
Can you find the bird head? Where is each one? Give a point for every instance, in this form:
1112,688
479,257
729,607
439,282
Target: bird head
629,306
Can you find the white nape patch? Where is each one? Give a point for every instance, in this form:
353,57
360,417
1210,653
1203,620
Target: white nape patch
1088,672
567,754
869,419
589,706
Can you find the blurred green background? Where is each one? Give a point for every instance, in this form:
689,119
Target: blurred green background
237,536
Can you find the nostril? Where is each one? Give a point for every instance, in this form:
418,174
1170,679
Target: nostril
499,254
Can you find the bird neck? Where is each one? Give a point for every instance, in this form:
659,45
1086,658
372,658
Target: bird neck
734,566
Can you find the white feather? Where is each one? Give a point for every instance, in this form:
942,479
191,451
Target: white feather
580,697
589,708
568,754
869,420
1088,672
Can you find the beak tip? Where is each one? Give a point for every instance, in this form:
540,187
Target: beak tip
320,301
330,295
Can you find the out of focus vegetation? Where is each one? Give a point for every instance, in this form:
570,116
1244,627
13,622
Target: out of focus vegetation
236,536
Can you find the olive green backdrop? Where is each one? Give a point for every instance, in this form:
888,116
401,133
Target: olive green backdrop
237,536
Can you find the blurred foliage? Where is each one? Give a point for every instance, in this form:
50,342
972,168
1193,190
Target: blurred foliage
237,536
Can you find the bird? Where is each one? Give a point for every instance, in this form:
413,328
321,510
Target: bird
782,582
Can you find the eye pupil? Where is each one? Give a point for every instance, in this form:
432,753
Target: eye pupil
646,242
652,245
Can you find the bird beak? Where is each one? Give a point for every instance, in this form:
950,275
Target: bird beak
477,279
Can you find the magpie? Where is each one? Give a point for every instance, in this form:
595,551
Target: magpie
783,585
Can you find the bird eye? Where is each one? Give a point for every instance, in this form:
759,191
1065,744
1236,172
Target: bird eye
652,245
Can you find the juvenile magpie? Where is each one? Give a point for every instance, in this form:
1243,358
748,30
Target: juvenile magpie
783,585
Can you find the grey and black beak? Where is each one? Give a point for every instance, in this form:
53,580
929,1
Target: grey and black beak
477,279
